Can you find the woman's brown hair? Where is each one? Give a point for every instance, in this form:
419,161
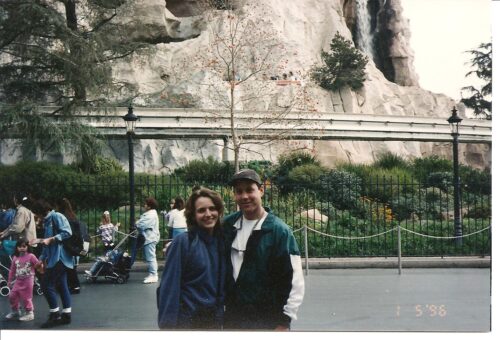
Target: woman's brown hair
190,211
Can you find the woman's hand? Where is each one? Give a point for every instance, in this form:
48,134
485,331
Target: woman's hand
48,241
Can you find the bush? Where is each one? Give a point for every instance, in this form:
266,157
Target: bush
343,66
54,181
384,184
475,181
102,166
441,180
288,162
341,188
306,176
388,160
422,167
209,170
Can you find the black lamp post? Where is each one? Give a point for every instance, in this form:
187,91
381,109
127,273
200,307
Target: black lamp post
130,121
454,121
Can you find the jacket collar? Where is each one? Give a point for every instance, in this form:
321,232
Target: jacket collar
266,225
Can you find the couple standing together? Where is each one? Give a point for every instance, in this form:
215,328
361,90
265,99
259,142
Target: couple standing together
240,272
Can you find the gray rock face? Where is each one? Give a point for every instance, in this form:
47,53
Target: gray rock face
169,74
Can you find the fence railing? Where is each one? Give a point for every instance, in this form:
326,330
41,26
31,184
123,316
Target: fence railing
345,221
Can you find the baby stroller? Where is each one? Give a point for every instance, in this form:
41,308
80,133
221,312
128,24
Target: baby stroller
114,265
5,289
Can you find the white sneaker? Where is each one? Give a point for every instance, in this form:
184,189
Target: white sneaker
28,316
151,279
12,316
89,273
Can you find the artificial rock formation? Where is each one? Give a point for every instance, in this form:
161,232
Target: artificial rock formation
166,76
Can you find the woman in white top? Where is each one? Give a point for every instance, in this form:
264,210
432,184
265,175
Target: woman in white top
177,220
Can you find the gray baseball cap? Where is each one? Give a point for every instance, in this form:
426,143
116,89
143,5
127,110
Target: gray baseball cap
246,174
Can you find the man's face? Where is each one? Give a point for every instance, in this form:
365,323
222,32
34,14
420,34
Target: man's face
248,196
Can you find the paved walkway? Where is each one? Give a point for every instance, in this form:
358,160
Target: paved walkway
370,299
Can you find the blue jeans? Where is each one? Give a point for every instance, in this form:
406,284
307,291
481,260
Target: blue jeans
178,231
54,282
150,258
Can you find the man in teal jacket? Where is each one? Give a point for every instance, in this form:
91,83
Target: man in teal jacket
265,284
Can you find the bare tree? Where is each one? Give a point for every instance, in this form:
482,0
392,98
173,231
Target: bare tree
243,66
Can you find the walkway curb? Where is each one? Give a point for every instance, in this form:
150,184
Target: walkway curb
406,262
362,262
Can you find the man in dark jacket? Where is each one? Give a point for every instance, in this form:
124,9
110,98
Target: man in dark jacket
265,285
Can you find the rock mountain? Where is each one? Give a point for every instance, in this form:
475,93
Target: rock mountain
178,31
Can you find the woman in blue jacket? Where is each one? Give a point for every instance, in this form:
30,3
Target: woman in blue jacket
190,295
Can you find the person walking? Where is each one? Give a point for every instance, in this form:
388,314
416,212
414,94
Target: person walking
55,263
23,226
148,226
65,208
265,284
191,292
166,218
177,220
21,281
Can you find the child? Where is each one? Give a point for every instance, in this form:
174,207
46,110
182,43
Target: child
21,280
106,230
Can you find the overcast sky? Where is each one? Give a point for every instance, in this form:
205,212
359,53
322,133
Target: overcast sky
442,30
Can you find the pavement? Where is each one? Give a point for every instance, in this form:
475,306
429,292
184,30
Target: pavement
352,295
336,300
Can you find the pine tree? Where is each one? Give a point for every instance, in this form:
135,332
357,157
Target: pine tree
343,66
482,64
57,53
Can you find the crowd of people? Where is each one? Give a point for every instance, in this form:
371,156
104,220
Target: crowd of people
237,272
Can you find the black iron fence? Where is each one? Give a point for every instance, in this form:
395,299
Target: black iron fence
345,220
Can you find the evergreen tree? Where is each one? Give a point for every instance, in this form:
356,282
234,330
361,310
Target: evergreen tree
57,53
343,66
482,64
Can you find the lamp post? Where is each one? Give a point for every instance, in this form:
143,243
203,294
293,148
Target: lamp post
454,121
130,121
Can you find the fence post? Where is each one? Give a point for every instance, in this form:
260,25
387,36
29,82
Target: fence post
306,251
399,249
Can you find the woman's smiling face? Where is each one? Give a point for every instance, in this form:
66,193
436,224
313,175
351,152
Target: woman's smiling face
206,213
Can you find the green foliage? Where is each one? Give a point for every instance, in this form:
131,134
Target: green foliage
479,99
209,170
60,55
388,160
100,166
341,188
475,181
53,181
422,167
442,180
286,163
343,66
306,176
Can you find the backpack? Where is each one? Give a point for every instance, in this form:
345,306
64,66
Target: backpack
73,245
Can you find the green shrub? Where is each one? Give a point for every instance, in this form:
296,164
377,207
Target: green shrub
102,166
209,171
286,163
422,167
388,160
306,176
384,184
341,188
442,180
475,181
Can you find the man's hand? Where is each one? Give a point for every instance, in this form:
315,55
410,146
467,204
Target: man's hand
281,328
